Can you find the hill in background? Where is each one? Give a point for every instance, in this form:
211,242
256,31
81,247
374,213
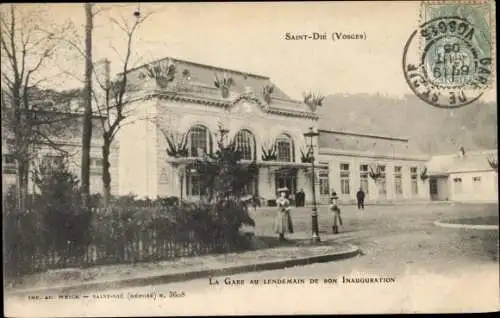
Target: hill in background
430,129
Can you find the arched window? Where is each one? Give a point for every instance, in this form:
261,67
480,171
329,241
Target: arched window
285,149
199,141
245,143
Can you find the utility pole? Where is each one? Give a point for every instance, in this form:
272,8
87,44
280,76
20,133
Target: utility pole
87,115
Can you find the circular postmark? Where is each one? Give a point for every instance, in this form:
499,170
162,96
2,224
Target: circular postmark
444,63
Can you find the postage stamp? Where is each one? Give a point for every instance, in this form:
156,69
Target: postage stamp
448,60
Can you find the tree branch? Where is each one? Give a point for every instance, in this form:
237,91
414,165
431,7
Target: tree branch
47,141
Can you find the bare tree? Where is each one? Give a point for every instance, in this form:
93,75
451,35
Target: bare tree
113,111
108,97
25,50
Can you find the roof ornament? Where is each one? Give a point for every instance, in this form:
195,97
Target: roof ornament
267,90
186,74
423,174
461,153
313,100
224,84
493,162
163,72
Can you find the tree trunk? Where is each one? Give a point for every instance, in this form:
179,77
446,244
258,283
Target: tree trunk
106,175
181,179
22,176
87,117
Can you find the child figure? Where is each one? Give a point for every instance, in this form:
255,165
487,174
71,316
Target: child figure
334,207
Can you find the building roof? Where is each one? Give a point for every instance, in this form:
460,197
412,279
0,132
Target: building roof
200,83
203,75
349,141
455,163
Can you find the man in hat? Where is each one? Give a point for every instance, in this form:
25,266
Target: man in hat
283,222
334,207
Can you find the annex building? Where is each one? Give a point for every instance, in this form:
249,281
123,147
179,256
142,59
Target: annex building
464,176
56,140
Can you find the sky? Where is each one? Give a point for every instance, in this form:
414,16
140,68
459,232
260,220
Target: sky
250,37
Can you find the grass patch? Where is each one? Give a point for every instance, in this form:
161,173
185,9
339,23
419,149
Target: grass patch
481,220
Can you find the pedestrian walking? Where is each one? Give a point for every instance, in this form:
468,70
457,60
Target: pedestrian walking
334,207
283,221
360,196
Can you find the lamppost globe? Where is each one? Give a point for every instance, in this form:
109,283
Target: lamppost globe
314,216
137,13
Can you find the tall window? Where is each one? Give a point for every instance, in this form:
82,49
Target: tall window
383,182
96,165
414,180
194,185
53,160
245,143
324,185
363,178
199,141
8,160
8,164
457,185
398,180
433,186
476,184
344,178
284,145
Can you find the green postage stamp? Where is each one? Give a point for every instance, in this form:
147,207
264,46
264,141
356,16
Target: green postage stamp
448,61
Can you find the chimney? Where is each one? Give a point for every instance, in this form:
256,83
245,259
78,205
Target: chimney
247,88
102,72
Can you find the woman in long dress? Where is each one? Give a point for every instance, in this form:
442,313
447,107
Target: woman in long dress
283,221
334,208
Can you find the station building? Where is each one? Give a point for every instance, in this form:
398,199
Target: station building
192,106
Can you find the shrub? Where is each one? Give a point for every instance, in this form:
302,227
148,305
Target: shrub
64,222
54,225
214,225
168,201
96,200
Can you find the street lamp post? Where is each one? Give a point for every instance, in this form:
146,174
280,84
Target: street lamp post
314,217
181,172
224,135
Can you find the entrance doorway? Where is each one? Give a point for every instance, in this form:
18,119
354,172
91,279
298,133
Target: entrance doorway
438,188
286,177
252,187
